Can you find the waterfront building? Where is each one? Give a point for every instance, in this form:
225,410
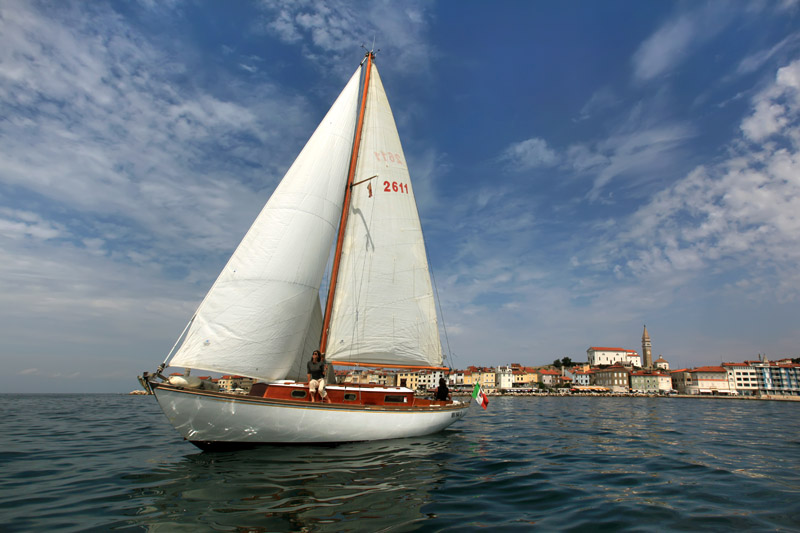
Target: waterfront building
778,378
548,377
742,378
471,376
355,376
647,351
526,377
488,378
505,377
616,378
429,379
662,363
376,377
485,376
581,377
650,382
598,355
681,380
456,377
235,384
708,380
408,379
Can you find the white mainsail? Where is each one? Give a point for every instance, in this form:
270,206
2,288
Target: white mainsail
383,311
255,319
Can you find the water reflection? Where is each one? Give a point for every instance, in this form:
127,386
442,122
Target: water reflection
379,486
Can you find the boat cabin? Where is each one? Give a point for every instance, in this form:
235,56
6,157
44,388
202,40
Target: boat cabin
346,394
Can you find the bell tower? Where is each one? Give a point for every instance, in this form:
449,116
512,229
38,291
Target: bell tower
647,351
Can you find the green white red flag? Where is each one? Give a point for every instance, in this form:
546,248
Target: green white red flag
479,396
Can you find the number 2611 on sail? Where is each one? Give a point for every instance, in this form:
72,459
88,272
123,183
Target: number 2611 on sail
395,187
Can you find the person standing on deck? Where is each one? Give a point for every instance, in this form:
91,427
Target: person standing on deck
316,377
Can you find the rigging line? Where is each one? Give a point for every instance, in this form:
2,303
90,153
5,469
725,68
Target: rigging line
438,299
169,354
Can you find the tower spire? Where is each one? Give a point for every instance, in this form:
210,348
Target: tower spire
647,352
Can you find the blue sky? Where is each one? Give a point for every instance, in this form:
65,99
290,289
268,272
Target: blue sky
581,168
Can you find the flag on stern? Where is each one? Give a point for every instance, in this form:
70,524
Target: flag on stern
479,396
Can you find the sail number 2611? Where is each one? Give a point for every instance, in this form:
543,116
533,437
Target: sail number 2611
395,187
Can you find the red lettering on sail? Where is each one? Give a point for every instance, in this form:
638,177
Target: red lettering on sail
395,187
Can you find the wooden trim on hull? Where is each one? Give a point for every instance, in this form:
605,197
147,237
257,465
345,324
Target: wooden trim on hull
418,404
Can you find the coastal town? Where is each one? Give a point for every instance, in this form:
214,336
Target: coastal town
607,370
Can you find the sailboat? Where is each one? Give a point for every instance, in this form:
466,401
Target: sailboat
263,317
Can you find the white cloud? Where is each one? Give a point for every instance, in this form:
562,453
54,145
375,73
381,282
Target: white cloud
600,100
756,60
775,106
665,48
336,30
101,124
528,154
635,152
676,40
741,215
17,224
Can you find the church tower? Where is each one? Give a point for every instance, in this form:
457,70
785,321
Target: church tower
647,352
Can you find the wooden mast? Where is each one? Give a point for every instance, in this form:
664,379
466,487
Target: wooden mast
323,343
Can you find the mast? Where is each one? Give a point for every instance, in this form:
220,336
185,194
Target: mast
345,208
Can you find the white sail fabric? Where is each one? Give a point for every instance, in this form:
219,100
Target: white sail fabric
299,369
255,318
383,309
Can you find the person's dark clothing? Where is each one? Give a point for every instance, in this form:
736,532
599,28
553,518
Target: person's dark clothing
442,393
317,370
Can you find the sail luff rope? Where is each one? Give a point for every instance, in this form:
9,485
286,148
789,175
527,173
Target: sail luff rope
345,209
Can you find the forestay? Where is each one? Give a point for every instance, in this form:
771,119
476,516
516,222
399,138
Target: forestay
383,310
255,319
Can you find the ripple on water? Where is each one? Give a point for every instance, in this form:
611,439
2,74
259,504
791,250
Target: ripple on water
103,462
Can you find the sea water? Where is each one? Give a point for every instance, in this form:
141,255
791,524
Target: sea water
112,462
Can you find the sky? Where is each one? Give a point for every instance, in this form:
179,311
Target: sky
581,169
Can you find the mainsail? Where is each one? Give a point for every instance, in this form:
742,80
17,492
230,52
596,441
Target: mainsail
383,310
257,316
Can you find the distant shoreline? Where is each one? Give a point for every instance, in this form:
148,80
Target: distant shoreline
625,395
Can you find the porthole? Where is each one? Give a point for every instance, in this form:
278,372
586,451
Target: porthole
298,394
394,399
349,397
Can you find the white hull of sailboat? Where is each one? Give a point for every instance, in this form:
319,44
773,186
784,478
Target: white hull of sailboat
212,420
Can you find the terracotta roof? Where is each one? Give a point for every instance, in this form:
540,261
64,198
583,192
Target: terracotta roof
708,369
603,349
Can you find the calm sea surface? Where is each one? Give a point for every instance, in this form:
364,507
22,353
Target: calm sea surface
112,462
